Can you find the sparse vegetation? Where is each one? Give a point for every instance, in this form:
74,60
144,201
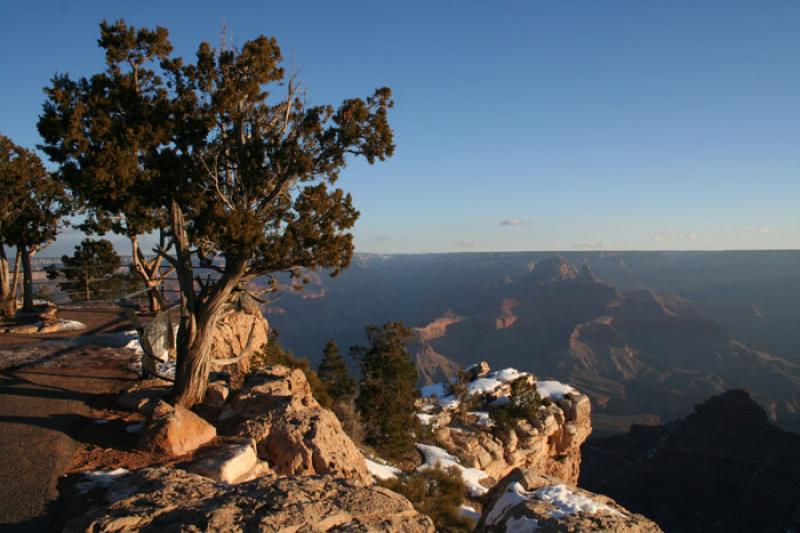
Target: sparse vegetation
437,493
524,403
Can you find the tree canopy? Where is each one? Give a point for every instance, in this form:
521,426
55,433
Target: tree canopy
387,391
237,160
334,374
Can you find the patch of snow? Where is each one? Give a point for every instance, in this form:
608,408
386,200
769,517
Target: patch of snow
437,457
568,503
70,325
99,479
483,386
465,511
507,375
555,390
513,496
135,428
37,301
523,524
483,419
382,471
425,419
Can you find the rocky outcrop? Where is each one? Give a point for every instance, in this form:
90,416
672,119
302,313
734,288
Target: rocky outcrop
241,332
528,501
507,317
432,366
161,499
549,444
234,462
174,430
293,433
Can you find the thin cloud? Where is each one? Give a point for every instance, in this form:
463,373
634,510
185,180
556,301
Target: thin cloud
662,236
469,243
692,236
588,245
514,222
382,238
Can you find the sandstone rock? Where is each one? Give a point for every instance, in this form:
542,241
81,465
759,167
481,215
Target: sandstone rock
161,499
527,501
477,370
550,445
175,430
294,434
232,463
216,394
241,331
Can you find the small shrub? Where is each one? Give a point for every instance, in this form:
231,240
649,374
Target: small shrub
350,419
524,402
436,493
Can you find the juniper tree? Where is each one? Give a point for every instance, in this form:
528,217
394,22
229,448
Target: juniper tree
387,391
34,204
101,129
334,374
245,175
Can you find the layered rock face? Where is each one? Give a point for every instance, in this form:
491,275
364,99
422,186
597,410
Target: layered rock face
161,499
549,444
528,501
293,433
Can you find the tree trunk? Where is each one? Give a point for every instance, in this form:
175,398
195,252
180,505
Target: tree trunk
149,271
8,284
27,279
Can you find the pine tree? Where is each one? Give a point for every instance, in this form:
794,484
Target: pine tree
333,373
91,272
387,391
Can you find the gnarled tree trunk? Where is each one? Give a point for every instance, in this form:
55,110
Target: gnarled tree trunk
8,283
27,278
149,271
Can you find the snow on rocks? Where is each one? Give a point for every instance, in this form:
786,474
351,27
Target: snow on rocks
528,501
555,390
437,457
465,511
382,471
99,479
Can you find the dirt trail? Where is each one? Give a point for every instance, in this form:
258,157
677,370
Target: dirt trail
47,390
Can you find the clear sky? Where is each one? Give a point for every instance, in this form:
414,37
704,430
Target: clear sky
529,125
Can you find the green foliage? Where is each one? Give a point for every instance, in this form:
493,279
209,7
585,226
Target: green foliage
224,146
436,493
92,272
274,354
524,402
387,391
334,374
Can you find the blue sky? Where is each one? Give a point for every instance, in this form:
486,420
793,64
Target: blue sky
525,125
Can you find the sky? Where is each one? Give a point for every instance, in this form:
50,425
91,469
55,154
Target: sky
527,125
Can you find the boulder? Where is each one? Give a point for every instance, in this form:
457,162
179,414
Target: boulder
293,433
241,332
216,394
527,501
232,463
175,430
163,499
144,395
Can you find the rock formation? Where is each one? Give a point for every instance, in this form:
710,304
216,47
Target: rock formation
527,501
432,366
161,499
549,444
241,332
293,433
174,430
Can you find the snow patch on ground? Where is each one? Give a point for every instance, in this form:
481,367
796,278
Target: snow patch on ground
70,325
381,471
555,390
568,503
564,501
425,418
99,479
523,524
437,457
483,419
